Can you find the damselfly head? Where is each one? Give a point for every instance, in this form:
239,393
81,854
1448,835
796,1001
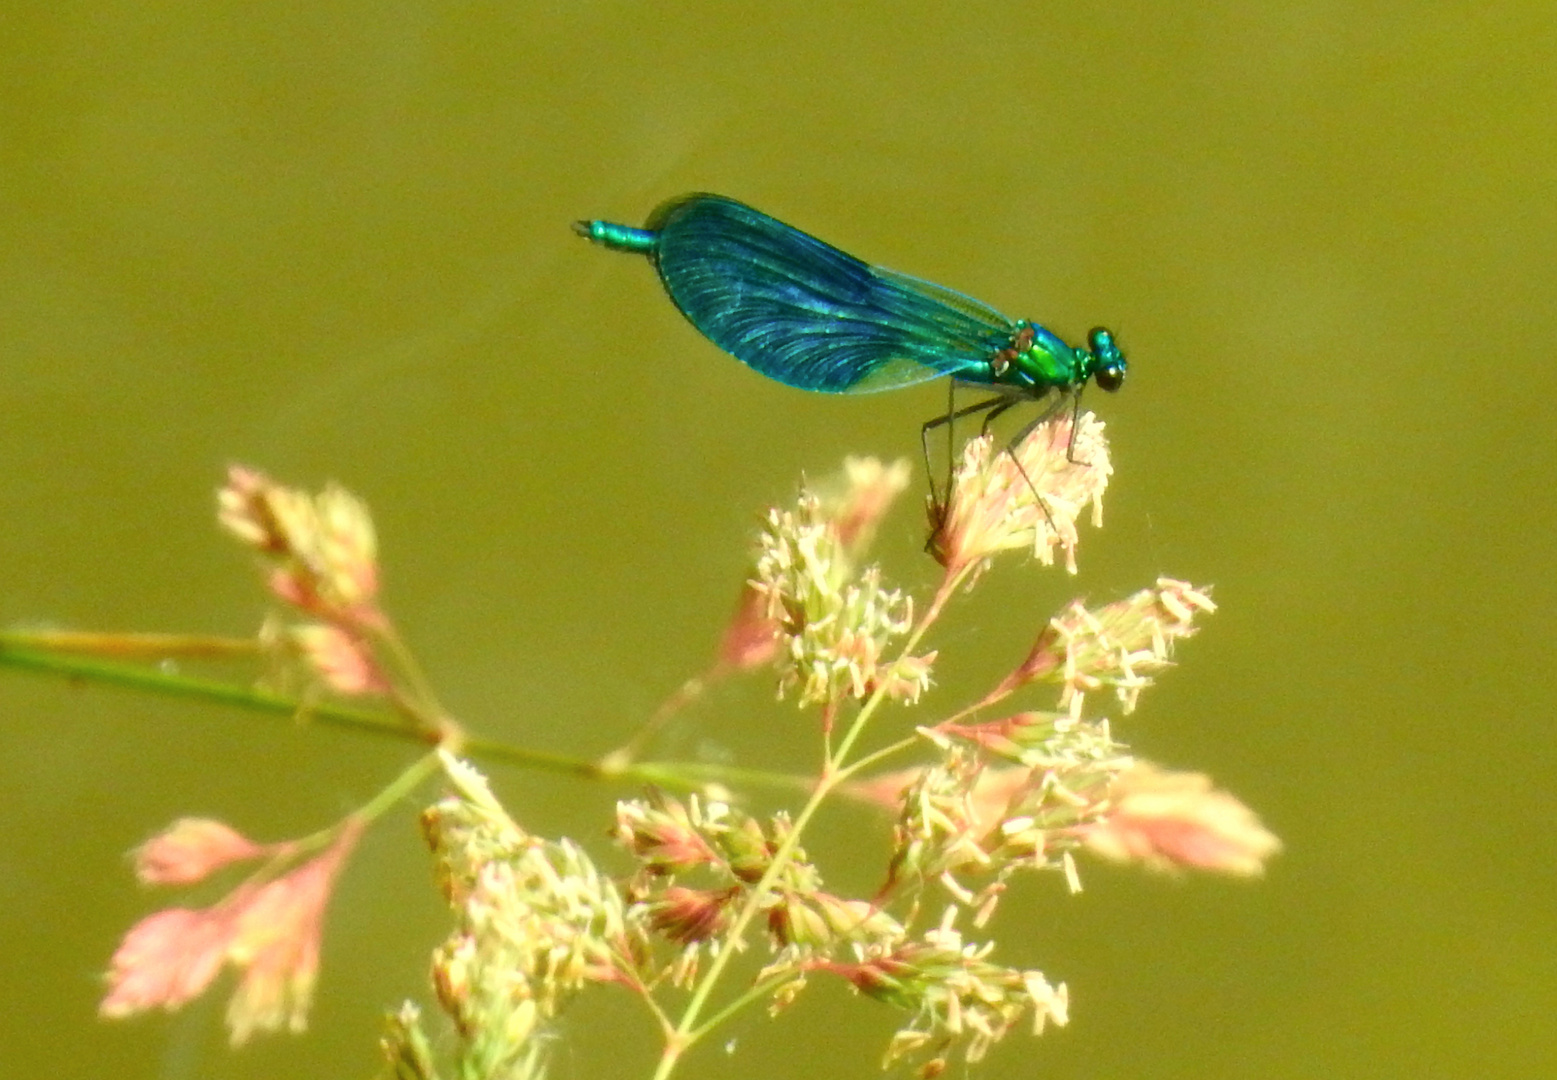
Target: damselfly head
1108,362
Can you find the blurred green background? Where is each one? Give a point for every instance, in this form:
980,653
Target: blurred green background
331,241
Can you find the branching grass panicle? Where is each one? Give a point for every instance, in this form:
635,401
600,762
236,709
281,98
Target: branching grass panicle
704,909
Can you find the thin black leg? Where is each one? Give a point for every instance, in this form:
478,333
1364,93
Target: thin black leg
1049,411
994,406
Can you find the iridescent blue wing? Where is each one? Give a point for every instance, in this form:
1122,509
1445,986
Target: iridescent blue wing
804,313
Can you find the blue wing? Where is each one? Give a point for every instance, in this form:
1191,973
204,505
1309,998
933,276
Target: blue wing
809,315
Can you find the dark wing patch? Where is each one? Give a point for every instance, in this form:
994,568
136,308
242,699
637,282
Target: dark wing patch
811,316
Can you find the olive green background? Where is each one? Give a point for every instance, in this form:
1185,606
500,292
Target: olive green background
331,241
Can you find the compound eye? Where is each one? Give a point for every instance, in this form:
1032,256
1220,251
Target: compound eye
1109,378
1101,342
